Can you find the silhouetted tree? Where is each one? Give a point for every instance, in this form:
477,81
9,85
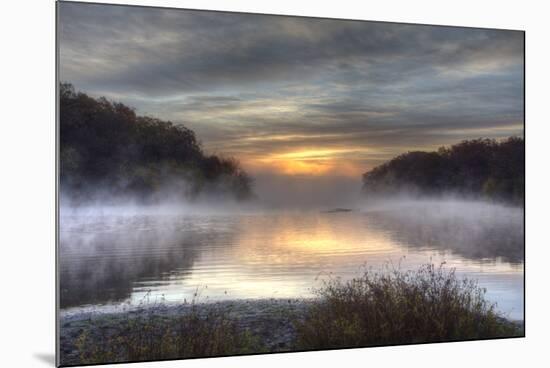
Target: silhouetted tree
105,146
479,167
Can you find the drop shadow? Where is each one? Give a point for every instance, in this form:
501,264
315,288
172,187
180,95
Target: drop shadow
46,358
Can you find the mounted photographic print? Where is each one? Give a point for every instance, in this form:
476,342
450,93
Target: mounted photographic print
233,183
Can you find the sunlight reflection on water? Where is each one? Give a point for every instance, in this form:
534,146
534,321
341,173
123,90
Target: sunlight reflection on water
114,259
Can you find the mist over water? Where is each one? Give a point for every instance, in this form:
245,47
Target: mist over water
206,161
307,192
271,192
283,243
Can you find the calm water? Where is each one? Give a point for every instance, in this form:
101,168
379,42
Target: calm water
112,259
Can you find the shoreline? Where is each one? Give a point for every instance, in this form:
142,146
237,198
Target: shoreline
270,321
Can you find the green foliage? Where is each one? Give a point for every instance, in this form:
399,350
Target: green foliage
481,167
397,307
105,146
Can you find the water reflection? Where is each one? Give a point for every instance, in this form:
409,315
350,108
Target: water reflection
106,259
477,232
123,258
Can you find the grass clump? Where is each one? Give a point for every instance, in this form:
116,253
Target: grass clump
150,336
397,307
430,304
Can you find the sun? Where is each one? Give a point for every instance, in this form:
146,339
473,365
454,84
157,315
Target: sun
309,161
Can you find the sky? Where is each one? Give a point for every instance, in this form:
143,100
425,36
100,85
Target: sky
293,96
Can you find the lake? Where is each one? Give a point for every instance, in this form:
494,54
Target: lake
132,257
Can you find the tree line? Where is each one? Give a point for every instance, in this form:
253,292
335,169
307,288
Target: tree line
482,167
105,147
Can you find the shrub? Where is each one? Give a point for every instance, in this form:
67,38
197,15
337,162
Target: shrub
397,307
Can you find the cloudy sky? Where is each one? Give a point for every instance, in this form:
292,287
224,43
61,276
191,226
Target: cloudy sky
298,96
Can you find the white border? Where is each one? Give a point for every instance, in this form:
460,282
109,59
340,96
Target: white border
27,154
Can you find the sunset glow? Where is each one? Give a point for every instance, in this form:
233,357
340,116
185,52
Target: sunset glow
235,183
325,98
311,162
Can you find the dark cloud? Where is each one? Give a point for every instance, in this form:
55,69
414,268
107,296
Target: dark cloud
192,50
251,85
